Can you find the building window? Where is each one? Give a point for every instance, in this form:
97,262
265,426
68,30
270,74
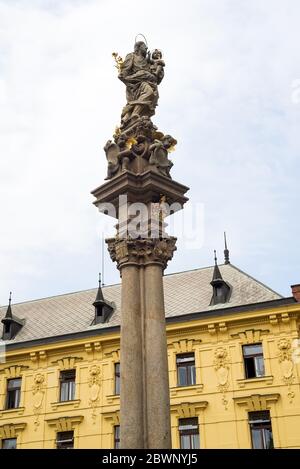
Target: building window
186,371
261,430
189,433
254,361
65,440
13,393
117,436
117,378
67,385
9,443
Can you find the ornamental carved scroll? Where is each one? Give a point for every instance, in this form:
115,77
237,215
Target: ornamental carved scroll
38,392
221,365
94,382
286,365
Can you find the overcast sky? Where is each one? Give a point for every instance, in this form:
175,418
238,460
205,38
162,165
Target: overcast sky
231,97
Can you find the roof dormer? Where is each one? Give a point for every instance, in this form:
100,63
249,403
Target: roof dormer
221,289
11,323
103,310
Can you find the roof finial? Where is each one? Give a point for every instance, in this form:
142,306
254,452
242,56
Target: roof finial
216,274
99,279
9,311
102,261
226,251
216,259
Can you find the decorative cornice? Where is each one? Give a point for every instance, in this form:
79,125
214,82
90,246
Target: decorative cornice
64,424
12,412
11,430
188,409
141,251
180,391
67,363
112,417
192,319
65,405
14,371
250,336
256,402
185,345
247,382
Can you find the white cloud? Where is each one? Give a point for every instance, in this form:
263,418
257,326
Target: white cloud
226,97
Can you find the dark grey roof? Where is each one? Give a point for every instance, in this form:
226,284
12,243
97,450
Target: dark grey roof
185,293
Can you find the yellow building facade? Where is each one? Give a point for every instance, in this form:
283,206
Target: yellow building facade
211,395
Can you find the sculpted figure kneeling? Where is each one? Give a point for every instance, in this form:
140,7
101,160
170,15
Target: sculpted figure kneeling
118,157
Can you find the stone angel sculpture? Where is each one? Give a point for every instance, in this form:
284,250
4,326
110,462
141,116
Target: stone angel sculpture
118,156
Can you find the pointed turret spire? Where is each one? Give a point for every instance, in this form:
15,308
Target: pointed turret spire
11,324
103,309
221,289
9,312
99,296
226,251
217,274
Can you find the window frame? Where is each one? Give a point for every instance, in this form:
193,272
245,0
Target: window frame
64,440
263,425
254,357
186,361
117,377
117,436
71,385
15,392
8,439
189,427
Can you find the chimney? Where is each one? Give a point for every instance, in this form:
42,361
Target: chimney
296,292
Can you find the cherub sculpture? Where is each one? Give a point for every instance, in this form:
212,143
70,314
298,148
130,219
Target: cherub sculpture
159,154
157,65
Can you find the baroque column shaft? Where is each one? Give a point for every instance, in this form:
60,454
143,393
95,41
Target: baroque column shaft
131,394
145,401
157,376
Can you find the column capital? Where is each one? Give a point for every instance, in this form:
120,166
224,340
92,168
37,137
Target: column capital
141,252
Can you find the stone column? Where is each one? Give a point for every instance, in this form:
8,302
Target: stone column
131,394
157,375
145,402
